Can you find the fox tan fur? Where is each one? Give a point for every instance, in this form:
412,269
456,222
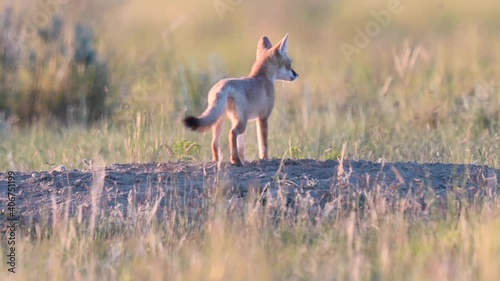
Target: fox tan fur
246,99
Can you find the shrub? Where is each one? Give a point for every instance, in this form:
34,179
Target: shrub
49,77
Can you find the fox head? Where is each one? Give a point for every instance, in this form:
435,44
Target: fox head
276,59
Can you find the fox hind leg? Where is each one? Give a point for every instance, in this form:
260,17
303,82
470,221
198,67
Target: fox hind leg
237,130
216,131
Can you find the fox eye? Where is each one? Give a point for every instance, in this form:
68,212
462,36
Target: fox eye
289,65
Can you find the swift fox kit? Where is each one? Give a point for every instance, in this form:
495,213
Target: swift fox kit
245,99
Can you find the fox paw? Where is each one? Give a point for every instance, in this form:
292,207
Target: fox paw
236,162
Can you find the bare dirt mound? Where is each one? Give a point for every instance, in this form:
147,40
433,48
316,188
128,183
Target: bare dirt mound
119,184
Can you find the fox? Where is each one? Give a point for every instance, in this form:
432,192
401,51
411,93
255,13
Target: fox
249,98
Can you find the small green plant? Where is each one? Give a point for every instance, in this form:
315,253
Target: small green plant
186,150
295,152
331,154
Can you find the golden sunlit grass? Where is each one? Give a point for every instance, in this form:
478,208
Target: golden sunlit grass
416,78
361,234
424,89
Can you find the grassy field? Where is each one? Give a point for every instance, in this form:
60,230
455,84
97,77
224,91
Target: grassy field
422,88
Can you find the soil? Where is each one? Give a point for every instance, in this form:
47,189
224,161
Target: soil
120,184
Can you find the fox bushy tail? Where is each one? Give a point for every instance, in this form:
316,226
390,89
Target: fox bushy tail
213,112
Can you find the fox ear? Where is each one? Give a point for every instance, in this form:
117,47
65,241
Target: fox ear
263,45
283,45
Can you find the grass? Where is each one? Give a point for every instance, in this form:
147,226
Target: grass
412,80
424,89
363,233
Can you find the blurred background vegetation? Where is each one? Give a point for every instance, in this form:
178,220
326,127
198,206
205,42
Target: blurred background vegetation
113,79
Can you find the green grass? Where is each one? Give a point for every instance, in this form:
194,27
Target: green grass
424,89
417,92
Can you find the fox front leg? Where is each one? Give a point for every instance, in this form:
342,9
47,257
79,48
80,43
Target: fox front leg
262,138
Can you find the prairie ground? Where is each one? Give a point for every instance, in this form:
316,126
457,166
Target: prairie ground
271,220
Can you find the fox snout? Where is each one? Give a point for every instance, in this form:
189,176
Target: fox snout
295,75
287,74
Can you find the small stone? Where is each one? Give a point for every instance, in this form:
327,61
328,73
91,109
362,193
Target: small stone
78,182
59,169
45,176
